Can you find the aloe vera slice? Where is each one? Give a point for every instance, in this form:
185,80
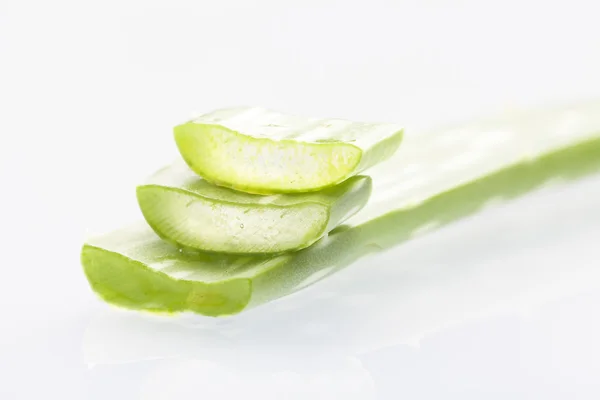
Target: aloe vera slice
133,268
193,213
262,151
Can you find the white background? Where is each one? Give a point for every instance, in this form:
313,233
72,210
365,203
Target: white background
500,305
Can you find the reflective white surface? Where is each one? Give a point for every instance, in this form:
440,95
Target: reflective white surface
503,304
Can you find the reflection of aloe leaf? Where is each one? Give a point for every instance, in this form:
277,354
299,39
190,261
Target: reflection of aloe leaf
347,245
341,379
135,269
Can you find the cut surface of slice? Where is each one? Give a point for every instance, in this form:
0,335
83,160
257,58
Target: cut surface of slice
133,268
262,151
193,213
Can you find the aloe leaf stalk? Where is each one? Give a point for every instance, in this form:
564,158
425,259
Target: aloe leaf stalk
133,268
256,150
192,213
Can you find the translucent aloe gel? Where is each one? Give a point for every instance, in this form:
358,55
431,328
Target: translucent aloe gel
193,213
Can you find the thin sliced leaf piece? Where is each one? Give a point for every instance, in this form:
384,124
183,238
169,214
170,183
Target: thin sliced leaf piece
135,269
263,151
195,214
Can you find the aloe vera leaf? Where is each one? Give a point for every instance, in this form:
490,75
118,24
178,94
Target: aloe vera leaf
135,269
262,151
195,214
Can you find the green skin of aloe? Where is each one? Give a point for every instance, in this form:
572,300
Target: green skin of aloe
134,268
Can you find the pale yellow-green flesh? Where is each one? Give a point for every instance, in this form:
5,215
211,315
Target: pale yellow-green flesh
199,223
128,283
192,213
259,165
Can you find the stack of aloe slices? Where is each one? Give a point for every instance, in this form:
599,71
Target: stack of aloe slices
253,210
